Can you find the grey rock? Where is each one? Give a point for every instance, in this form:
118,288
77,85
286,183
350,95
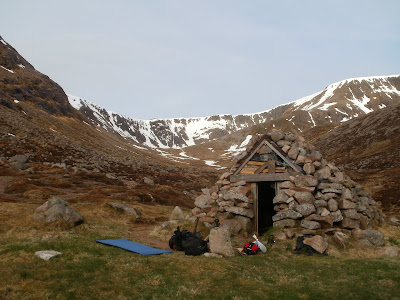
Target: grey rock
373,236
214,255
333,205
313,225
231,195
246,224
18,165
346,194
288,214
337,216
286,185
201,201
305,180
350,223
327,185
220,242
148,181
305,209
304,197
233,225
331,190
57,209
177,214
322,211
346,204
125,209
293,152
320,203
47,254
19,158
276,135
280,198
309,168
323,173
317,242
350,213
241,211
239,183
286,223
389,250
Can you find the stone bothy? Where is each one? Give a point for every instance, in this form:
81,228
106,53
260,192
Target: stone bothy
282,181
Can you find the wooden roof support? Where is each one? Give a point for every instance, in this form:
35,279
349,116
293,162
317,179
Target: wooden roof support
263,177
248,158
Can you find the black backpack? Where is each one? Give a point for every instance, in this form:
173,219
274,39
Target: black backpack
189,242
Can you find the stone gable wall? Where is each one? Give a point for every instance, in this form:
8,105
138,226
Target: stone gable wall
323,198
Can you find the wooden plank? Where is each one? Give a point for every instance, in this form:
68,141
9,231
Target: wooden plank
285,157
247,171
261,168
248,158
254,195
263,177
276,171
255,163
271,166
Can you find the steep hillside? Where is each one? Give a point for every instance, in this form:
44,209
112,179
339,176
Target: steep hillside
337,103
368,149
20,82
48,148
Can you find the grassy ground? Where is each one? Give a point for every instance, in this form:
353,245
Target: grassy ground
88,270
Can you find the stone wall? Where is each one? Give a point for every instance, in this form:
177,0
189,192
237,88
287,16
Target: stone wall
323,198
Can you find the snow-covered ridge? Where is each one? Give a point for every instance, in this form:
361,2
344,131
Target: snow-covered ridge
338,102
167,133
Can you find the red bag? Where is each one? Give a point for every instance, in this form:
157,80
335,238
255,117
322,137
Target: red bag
250,249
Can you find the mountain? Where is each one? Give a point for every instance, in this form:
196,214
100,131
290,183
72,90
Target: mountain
368,149
21,82
63,154
337,103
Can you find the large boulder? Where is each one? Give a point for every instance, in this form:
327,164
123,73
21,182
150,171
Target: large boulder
317,242
57,209
124,209
375,237
220,241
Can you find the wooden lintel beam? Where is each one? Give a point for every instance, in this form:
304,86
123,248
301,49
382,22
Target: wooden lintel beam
263,177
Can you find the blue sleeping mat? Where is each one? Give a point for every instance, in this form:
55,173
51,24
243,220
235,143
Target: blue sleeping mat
133,247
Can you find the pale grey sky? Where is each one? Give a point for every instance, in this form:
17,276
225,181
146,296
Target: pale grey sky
185,58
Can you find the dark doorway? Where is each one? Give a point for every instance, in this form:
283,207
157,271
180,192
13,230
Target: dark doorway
266,193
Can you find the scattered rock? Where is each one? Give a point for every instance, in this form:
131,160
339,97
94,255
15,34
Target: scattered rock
374,236
313,225
126,209
209,254
287,214
220,241
47,254
57,209
389,250
148,181
177,214
317,242
305,209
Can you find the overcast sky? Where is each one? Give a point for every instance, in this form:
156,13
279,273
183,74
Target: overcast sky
162,59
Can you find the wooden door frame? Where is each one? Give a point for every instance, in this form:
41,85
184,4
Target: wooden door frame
254,196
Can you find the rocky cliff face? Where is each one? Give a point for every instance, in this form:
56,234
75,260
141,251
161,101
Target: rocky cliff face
20,82
336,104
